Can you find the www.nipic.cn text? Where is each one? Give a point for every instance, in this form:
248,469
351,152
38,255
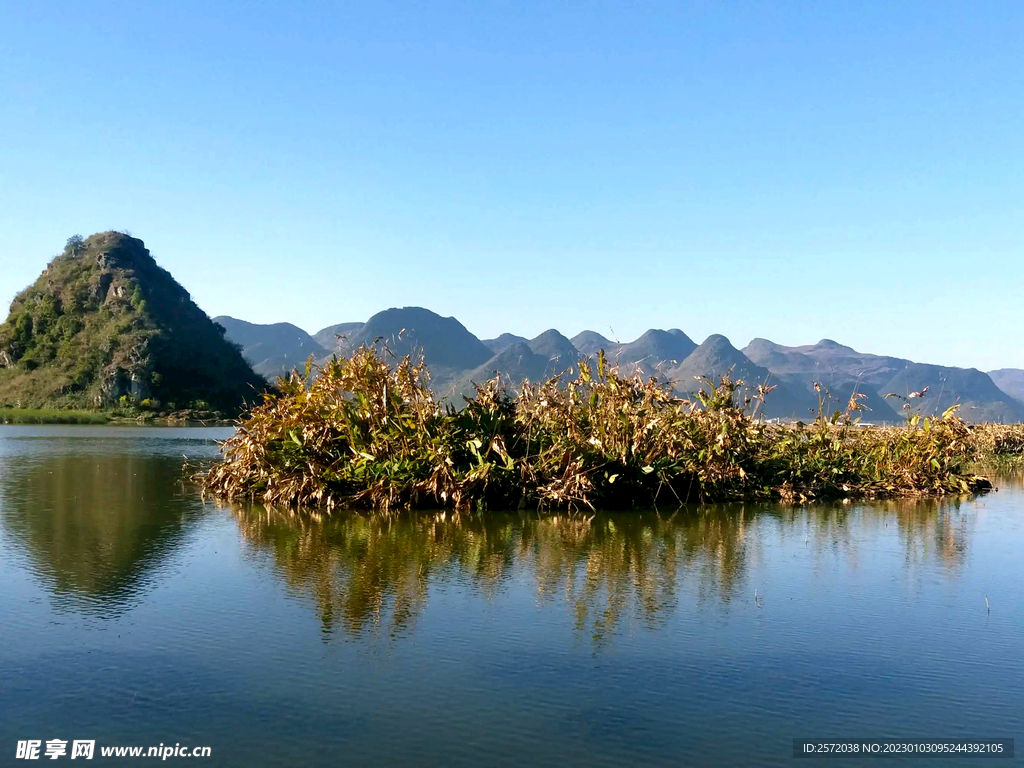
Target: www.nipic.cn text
53,749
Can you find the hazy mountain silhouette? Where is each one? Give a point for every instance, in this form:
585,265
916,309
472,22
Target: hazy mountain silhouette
830,364
557,350
445,343
978,396
272,350
823,358
654,352
592,342
717,357
838,366
781,360
457,359
504,341
513,365
550,354
1010,381
328,337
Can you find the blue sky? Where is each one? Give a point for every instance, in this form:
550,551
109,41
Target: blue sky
786,170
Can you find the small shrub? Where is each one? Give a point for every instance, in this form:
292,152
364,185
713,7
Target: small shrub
75,245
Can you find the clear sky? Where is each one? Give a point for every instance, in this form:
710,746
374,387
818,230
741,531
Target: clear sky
786,170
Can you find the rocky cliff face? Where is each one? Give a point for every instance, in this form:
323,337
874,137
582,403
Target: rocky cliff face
104,323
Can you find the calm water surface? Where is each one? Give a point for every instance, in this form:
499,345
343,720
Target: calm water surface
134,614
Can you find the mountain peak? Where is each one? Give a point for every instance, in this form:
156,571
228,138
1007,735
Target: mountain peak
328,337
551,334
552,345
717,341
504,341
717,357
444,341
656,349
592,342
830,344
105,321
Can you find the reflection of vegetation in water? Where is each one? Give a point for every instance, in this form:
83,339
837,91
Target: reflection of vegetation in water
373,572
929,529
30,416
932,530
605,564
93,524
369,571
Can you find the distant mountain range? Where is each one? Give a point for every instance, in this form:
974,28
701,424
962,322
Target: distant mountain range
841,369
457,359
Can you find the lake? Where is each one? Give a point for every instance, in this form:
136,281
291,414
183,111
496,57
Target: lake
134,613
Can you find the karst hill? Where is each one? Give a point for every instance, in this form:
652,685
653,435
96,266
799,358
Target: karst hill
105,325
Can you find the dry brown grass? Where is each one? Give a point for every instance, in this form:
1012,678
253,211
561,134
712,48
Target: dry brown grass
368,433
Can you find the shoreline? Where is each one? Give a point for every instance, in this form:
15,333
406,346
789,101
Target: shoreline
46,416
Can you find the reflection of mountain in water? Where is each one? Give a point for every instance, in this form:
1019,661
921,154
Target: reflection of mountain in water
371,574
95,525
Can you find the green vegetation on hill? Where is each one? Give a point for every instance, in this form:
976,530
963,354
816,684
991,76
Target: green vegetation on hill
105,326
